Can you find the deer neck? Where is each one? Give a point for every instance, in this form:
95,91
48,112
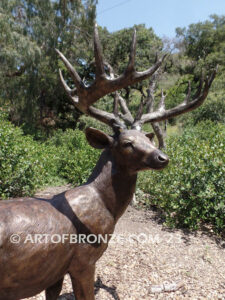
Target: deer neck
114,184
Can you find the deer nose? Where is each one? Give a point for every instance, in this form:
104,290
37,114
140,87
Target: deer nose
162,158
157,160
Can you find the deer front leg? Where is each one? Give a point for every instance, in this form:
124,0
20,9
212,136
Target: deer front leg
83,283
53,291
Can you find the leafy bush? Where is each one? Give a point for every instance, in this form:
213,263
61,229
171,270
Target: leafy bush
213,109
24,163
77,158
191,189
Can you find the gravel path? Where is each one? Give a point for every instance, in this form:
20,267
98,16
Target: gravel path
144,253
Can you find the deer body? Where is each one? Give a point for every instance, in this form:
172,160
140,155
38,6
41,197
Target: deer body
93,208
30,266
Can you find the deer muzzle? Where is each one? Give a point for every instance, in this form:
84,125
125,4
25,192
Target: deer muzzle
158,160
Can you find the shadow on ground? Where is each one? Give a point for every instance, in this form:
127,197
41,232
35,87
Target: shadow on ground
98,285
155,214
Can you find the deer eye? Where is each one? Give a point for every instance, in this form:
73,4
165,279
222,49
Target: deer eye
128,144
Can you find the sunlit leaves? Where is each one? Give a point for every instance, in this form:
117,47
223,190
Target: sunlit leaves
191,189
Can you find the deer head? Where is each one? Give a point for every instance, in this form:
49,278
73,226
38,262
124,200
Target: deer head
132,150
131,141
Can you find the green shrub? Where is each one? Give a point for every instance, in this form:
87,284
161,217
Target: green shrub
191,189
21,162
212,109
26,164
77,158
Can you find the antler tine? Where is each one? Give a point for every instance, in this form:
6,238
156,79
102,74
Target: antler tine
207,85
201,81
213,75
98,54
151,70
150,94
77,80
110,68
140,110
161,106
131,62
198,93
126,114
149,102
189,92
116,104
70,93
66,87
184,107
106,117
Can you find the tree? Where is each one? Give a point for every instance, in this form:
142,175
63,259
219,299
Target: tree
203,42
31,30
202,47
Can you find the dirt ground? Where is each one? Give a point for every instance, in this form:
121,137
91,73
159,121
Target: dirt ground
144,253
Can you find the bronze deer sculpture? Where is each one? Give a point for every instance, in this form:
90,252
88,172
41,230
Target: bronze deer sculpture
94,208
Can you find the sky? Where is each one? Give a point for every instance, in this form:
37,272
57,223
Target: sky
164,16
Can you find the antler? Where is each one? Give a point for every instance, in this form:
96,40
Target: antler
84,96
187,105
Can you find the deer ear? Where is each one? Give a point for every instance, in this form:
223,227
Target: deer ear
97,138
150,136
